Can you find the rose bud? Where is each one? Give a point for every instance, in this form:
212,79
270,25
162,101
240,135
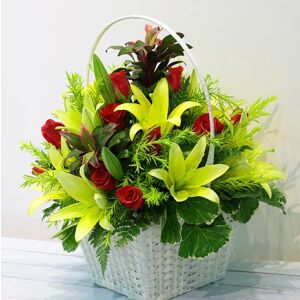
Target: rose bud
37,170
236,118
130,196
155,134
174,78
109,115
201,124
102,179
50,133
120,83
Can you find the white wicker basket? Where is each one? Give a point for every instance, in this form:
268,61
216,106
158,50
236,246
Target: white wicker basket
147,269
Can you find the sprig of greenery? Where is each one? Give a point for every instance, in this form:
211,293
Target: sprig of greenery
75,93
45,181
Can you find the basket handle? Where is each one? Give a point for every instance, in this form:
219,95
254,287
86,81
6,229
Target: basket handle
210,157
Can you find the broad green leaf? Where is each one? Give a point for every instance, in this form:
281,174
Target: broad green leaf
204,175
55,158
107,90
198,210
140,97
70,212
136,109
87,139
40,200
87,222
73,139
180,195
101,200
134,130
160,103
87,157
195,156
248,205
162,175
112,163
200,240
120,139
102,135
76,187
204,192
171,228
178,111
176,163
71,119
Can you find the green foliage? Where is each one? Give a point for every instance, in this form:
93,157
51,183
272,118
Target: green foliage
277,200
170,226
40,155
100,239
45,181
201,240
67,236
198,210
75,94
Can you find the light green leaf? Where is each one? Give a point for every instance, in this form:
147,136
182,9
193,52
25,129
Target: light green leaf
101,200
56,158
204,175
70,212
198,210
88,119
160,103
107,89
134,130
201,240
140,97
104,222
71,119
76,187
64,149
193,84
162,175
87,222
195,156
176,163
90,183
204,192
267,188
40,200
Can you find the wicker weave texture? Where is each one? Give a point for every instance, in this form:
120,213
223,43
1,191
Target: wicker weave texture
146,269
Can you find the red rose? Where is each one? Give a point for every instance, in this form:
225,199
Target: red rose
37,171
102,179
236,118
130,196
50,133
109,115
174,78
201,124
120,83
155,134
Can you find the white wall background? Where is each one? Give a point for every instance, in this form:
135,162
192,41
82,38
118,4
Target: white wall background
252,46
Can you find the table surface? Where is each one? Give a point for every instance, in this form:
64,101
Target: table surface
41,270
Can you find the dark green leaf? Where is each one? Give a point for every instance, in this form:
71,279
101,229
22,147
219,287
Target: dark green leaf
73,140
120,139
67,236
198,210
74,153
87,139
200,240
277,200
107,90
125,50
101,135
138,44
112,163
171,228
170,40
124,154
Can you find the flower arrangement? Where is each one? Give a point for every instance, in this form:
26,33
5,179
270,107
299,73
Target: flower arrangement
130,150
